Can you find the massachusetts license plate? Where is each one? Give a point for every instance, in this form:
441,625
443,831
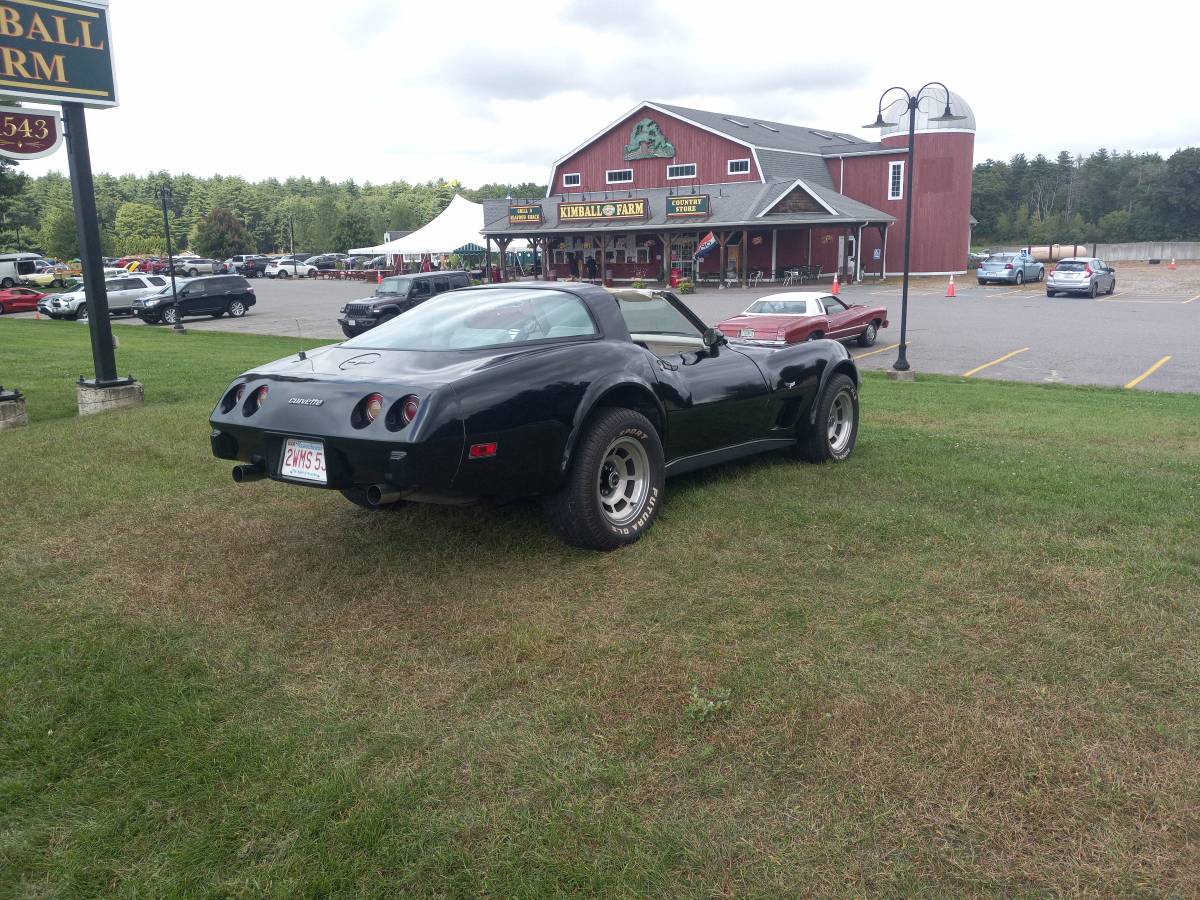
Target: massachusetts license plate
746,332
303,461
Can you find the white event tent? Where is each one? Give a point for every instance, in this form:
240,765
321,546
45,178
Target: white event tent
459,224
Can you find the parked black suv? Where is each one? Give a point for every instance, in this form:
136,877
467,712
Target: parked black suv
397,294
212,296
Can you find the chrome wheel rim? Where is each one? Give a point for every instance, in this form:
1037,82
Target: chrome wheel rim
168,315
236,309
623,481
870,332
841,421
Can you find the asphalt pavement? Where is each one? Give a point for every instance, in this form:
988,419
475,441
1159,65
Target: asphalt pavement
1145,336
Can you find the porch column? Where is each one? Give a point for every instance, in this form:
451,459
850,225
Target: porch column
502,245
883,254
722,237
774,252
487,242
666,240
858,255
745,256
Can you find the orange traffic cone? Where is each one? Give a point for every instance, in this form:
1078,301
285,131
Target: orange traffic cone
1172,265
836,289
950,287
37,313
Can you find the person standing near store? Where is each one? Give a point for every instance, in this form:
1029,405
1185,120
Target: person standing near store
591,268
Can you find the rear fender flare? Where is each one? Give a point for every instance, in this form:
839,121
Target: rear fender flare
624,389
842,366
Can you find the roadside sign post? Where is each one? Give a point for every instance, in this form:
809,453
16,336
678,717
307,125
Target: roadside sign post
88,228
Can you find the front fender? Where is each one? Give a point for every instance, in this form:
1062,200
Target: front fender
838,363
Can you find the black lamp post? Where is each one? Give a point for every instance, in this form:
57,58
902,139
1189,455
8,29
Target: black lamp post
913,101
164,197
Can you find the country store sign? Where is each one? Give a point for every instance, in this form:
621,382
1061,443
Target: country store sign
688,206
609,209
57,51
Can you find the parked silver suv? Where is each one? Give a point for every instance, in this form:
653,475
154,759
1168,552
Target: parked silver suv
1081,275
121,293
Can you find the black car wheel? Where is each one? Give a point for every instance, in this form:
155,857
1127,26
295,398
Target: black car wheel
1093,290
169,315
82,312
7,283
867,338
1050,293
615,486
1020,278
834,433
358,496
236,308
1112,287
192,273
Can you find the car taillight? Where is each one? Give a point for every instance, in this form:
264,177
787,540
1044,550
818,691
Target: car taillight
403,411
1009,266
1055,269
373,407
256,400
233,397
1087,270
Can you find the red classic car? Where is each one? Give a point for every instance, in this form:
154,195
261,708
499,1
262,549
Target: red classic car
19,299
780,319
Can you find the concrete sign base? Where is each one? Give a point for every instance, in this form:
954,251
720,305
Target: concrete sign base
94,399
12,413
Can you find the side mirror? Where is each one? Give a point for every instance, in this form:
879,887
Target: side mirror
713,338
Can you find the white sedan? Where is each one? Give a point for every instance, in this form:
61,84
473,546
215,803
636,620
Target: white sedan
290,268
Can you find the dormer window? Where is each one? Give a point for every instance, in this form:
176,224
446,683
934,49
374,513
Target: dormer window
738,167
571,179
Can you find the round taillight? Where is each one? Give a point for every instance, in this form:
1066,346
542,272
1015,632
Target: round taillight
373,407
402,412
233,397
241,392
408,411
255,401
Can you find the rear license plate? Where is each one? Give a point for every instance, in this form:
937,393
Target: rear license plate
746,332
303,461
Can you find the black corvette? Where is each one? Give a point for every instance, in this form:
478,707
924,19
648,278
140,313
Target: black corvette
585,396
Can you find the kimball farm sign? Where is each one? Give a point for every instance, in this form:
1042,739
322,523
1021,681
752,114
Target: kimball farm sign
609,209
57,51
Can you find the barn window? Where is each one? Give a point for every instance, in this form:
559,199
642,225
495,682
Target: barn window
618,176
682,171
571,180
738,166
896,180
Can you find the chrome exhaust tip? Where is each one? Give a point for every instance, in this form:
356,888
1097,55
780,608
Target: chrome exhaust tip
382,494
243,474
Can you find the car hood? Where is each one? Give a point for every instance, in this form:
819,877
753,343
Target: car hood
428,368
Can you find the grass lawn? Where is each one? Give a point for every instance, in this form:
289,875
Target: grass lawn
965,662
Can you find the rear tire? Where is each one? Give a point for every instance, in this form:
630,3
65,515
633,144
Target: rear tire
358,497
614,488
169,315
1093,290
192,273
236,308
834,433
1050,293
1020,278
1112,288
7,283
867,338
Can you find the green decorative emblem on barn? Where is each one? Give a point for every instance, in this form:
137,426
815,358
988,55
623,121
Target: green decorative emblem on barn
648,142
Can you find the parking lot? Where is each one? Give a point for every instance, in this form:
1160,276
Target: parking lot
1144,336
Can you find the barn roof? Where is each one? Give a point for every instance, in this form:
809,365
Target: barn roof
764,133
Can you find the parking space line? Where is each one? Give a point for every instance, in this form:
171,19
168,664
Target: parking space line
1189,300
1150,371
1114,298
880,350
988,365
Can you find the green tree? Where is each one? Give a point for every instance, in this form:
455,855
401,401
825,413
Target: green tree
354,230
139,229
220,235
57,236
1113,227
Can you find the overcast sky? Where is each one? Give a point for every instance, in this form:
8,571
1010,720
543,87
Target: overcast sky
380,90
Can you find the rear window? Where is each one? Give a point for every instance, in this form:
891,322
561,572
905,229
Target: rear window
1073,265
1001,257
469,320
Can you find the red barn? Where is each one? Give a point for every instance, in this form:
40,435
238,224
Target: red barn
643,193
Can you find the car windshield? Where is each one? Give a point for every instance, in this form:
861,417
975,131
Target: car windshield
653,314
467,320
1073,265
400,286
783,308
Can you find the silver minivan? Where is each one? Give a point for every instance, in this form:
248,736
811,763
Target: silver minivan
1081,275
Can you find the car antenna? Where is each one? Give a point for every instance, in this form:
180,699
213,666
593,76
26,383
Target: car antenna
300,335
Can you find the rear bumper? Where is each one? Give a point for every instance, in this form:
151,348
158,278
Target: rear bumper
1072,288
1002,279
420,468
